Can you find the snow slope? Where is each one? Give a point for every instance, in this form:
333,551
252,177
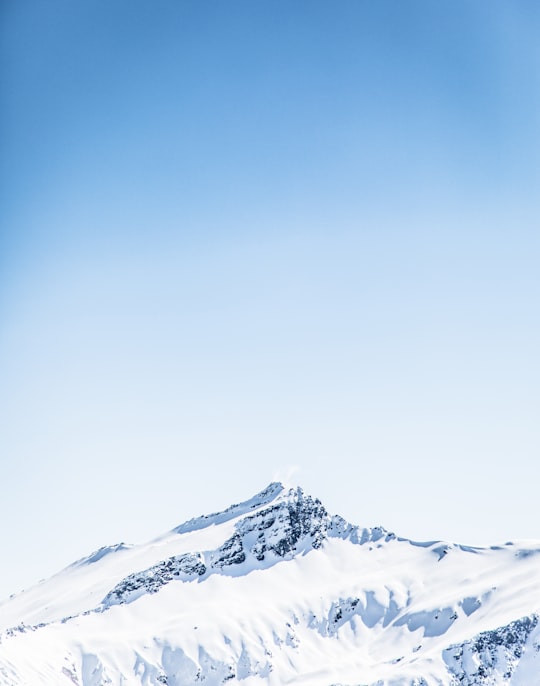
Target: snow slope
277,591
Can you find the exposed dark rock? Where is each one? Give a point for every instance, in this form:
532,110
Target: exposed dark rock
183,567
492,656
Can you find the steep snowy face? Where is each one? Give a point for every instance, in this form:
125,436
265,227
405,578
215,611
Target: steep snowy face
273,526
276,590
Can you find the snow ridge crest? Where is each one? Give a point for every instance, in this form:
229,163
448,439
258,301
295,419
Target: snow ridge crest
267,495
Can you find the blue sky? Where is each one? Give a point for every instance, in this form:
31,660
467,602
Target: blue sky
243,239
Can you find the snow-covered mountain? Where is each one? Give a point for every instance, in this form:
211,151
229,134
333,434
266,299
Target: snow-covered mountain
275,591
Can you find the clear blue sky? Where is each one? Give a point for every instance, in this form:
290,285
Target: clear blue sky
239,238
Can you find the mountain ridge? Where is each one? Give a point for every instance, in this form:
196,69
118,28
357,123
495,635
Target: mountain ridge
274,590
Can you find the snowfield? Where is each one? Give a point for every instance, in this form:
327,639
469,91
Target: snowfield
277,591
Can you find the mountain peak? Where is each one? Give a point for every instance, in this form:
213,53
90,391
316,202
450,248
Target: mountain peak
276,590
271,526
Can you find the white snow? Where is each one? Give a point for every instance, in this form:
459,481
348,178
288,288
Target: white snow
384,611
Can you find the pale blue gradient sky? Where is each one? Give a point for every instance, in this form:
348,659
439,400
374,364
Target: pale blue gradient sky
240,237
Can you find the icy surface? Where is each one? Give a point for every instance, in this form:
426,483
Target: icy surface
273,591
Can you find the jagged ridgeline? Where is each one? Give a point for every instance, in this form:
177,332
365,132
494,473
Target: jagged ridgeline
275,590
